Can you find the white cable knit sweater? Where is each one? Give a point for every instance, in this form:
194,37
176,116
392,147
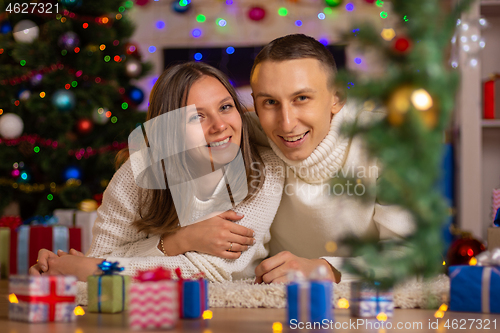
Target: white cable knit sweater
116,240
308,217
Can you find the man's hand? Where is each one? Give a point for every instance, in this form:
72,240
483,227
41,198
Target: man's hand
275,269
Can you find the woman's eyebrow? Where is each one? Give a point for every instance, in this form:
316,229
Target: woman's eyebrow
222,101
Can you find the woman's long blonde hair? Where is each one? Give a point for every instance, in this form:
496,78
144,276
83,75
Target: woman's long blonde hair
170,92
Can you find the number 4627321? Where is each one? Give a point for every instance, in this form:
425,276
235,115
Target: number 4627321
30,8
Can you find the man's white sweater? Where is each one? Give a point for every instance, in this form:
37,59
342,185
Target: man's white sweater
309,218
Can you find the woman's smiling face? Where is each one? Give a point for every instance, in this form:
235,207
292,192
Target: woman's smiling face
213,128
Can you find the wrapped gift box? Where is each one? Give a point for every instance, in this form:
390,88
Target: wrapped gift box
28,240
108,293
154,301
475,289
193,297
42,298
309,301
80,219
7,224
368,300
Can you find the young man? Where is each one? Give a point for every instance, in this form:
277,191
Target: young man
301,112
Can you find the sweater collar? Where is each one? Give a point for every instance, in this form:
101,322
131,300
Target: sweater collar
328,157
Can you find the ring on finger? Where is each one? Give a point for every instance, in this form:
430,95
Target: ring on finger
230,247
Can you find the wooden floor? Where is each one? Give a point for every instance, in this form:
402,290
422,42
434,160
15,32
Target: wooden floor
236,320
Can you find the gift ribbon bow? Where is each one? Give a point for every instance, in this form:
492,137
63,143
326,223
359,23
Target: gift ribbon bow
489,258
109,268
11,222
157,274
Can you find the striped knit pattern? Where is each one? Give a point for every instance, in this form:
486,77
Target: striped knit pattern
496,202
153,305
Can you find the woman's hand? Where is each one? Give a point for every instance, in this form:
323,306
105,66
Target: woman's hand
212,236
62,263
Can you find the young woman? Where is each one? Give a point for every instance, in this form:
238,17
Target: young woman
176,220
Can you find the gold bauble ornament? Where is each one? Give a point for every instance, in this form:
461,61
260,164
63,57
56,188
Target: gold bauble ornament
88,205
399,104
406,97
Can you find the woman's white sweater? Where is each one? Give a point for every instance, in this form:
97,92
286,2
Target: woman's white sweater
115,239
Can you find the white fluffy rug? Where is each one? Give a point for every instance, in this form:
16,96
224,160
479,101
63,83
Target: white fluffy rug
245,294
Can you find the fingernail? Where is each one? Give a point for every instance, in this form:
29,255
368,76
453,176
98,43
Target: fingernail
43,267
239,214
254,241
59,250
254,234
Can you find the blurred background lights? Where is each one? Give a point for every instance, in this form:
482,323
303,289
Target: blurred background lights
298,23
201,18
282,11
196,33
198,56
152,49
230,50
349,7
327,10
321,16
421,100
383,15
324,41
388,34
221,22
229,2
160,24
357,61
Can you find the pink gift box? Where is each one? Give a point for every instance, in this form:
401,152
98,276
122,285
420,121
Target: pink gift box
153,303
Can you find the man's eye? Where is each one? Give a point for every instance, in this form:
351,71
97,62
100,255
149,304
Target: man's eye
302,98
270,102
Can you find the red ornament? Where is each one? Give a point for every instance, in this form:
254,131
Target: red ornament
370,1
462,250
132,49
141,2
256,13
84,126
402,44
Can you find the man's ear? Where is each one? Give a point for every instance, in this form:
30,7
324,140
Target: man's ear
337,103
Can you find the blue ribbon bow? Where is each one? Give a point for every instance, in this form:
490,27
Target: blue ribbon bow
110,268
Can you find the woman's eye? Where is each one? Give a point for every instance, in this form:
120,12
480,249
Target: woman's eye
194,118
227,107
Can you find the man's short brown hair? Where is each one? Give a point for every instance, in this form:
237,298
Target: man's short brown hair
297,46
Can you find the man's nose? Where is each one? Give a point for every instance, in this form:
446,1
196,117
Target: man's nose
288,119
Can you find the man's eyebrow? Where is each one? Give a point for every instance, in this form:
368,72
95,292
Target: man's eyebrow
298,92
225,99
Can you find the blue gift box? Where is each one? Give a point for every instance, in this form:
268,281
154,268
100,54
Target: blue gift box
310,301
475,289
193,298
368,300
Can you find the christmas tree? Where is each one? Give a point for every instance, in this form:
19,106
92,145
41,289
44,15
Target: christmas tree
418,90
66,99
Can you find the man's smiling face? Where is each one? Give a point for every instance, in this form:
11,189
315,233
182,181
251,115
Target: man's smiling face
295,104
